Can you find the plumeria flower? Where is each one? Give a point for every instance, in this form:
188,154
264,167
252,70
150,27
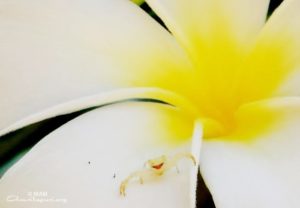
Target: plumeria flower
220,74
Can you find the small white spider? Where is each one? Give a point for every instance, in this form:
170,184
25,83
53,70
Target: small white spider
155,167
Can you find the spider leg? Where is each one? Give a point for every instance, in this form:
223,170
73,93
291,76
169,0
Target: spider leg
180,156
137,174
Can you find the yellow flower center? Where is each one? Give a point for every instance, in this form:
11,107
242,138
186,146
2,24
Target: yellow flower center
227,70
227,75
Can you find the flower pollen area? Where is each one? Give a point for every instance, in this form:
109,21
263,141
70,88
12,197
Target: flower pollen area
228,74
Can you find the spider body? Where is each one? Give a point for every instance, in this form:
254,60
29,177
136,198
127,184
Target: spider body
155,167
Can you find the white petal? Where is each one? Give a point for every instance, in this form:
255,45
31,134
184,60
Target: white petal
281,34
262,172
59,50
198,19
116,140
291,85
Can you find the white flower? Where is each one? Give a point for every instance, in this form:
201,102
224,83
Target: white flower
221,65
